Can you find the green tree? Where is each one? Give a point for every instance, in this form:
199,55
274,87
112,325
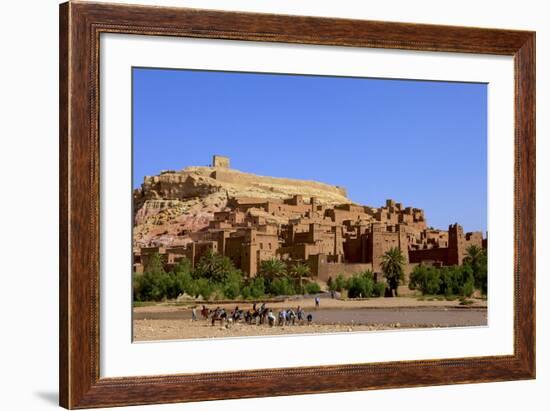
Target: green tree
282,286
204,288
254,288
232,284
476,258
361,285
272,268
183,266
182,281
379,289
155,264
453,280
426,279
450,280
299,271
214,267
338,284
467,280
312,288
155,283
393,264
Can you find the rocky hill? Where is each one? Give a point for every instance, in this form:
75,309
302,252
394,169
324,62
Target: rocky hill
170,206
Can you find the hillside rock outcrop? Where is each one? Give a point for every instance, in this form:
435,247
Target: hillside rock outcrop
170,206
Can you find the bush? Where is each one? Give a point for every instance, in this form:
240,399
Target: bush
339,283
448,281
468,280
379,290
154,284
204,288
182,280
476,259
361,285
426,279
151,286
246,293
281,286
232,285
468,289
215,277
186,283
254,289
312,288
257,287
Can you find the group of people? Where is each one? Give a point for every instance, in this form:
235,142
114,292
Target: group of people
258,314
289,316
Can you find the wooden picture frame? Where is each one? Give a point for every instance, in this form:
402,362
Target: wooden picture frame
80,27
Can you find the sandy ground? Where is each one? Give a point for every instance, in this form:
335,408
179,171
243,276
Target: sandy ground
150,330
168,321
309,303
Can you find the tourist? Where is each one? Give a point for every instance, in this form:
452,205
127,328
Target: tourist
271,318
300,314
317,302
291,316
205,312
194,314
282,317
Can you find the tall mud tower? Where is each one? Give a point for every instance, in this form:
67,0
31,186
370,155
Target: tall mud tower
457,246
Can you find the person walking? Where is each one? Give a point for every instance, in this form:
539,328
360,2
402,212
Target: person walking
194,314
317,302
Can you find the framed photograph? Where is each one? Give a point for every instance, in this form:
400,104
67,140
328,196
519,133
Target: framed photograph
250,201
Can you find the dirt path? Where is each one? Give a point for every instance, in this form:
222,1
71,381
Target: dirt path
309,303
445,317
161,323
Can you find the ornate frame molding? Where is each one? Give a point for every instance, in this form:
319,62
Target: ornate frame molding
80,27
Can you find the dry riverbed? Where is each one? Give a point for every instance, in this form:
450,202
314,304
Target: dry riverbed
173,321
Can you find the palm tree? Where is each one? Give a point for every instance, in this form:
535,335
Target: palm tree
299,271
393,264
214,266
474,256
272,268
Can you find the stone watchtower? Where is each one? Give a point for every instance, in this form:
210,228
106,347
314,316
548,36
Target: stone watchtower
220,161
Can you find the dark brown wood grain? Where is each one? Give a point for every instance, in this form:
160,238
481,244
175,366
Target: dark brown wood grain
80,27
63,205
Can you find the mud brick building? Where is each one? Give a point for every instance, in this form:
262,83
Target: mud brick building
331,238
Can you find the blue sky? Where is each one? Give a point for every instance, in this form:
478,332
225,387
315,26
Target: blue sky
421,143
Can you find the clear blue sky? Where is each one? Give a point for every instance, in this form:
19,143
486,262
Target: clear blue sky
421,143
